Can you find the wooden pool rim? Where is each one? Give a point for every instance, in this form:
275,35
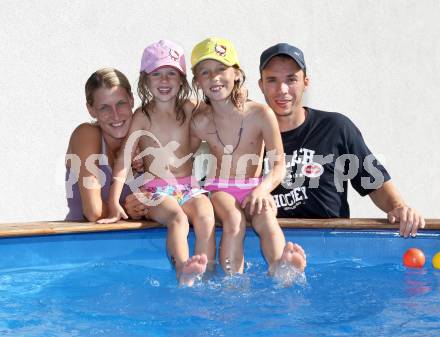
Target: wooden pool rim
63,227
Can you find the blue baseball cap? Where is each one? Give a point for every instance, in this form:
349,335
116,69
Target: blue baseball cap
282,49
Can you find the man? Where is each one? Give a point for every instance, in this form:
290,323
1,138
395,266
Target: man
323,151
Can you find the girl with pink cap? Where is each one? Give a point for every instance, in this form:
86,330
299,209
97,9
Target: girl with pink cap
161,128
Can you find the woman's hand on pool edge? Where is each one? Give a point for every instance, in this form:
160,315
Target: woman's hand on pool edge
410,220
115,214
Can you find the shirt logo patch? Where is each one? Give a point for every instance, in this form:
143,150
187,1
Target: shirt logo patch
312,170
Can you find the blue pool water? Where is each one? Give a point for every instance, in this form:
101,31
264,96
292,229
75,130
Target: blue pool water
121,284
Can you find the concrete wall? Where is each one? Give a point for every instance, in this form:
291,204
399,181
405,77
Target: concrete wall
375,61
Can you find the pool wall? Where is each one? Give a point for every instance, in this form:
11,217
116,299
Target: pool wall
147,246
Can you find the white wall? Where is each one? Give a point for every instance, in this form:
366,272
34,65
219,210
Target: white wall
377,62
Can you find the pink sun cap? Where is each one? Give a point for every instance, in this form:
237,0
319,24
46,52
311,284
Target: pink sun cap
161,54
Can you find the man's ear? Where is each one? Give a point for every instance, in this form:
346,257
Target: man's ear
306,82
260,84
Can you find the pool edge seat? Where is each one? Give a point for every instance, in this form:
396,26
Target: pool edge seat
64,227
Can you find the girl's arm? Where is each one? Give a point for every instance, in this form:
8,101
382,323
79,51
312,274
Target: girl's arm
275,151
195,140
260,196
120,170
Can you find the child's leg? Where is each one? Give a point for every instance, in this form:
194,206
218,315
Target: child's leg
201,214
273,243
169,213
234,228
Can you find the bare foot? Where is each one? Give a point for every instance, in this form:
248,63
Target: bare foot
192,268
291,265
293,255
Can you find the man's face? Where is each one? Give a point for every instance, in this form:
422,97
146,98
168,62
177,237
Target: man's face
283,83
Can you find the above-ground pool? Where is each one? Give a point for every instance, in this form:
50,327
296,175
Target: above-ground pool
121,284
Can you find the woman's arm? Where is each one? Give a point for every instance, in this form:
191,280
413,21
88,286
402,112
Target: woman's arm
85,142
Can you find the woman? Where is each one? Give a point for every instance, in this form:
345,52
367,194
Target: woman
93,147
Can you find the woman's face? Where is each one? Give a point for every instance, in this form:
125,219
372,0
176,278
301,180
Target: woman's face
112,108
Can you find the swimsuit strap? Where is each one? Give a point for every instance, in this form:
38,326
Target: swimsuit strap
103,145
103,154
239,135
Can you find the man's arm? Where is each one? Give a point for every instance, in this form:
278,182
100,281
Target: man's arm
388,199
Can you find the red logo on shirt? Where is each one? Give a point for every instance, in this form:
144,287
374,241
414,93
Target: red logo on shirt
312,170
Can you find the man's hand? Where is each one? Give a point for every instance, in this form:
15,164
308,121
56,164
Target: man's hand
388,198
410,220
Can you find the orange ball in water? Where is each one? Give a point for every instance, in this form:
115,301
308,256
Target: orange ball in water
414,258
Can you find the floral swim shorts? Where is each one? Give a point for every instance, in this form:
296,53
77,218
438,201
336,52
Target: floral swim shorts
181,189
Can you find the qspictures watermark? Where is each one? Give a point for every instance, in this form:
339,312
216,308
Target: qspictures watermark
303,164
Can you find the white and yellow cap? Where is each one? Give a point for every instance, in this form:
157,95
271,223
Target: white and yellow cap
214,48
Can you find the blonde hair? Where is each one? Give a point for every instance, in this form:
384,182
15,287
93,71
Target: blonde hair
147,98
105,78
237,96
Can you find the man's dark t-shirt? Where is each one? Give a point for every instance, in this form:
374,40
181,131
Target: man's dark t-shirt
322,154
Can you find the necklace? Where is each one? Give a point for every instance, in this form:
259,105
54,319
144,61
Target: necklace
227,147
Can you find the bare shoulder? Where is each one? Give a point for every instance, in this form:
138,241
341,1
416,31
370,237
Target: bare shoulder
86,138
258,111
202,117
139,114
140,120
86,132
189,107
